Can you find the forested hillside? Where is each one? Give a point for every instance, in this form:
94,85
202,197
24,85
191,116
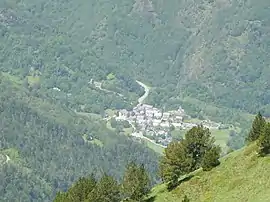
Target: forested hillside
211,51
46,149
191,170
239,176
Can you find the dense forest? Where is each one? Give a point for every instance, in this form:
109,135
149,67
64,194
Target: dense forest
210,57
47,152
211,51
195,155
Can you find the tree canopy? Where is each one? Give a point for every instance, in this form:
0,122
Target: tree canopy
195,151
256,129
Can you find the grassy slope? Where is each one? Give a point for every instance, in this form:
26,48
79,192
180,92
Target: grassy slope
242,176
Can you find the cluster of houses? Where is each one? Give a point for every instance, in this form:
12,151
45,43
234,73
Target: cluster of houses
156,124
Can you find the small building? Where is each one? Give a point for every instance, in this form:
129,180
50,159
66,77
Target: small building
178,119
57,89
165,124
158,115
123,113
166,116
156,122
177,125
145,106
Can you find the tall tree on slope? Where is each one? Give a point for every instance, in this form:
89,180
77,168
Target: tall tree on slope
256,129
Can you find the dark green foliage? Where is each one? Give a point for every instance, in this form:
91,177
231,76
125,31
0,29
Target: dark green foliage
257,128
88,190
196,150
197,141
264,141
135,182
106,190
81,189
212,55
175,163
113,123
62,197
210,159
135,186
97,41
51,151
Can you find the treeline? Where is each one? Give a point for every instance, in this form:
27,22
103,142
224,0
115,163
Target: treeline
180,158
197,150
134,187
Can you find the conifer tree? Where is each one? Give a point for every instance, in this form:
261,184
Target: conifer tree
135,182
256,129
182,157
62,197
198,140
81,189
210,159
264,141
174,163
106,190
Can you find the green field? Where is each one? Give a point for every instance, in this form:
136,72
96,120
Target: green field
94,141
154,147
242,176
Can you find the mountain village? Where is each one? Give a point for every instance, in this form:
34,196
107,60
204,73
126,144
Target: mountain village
156,125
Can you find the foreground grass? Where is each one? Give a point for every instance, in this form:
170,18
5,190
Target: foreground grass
242,176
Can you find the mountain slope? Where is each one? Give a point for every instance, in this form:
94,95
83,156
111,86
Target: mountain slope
242,176
212,51
47,151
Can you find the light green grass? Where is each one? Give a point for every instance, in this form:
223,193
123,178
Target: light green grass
221,137
97,142
242,176
128,131
192,120
33,80
90,115
94,141
154,147
109,126
14,79
12,153
110,112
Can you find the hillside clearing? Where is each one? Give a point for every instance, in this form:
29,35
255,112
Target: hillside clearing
242,176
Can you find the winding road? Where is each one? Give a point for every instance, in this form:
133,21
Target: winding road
6,160
146,92
140,101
